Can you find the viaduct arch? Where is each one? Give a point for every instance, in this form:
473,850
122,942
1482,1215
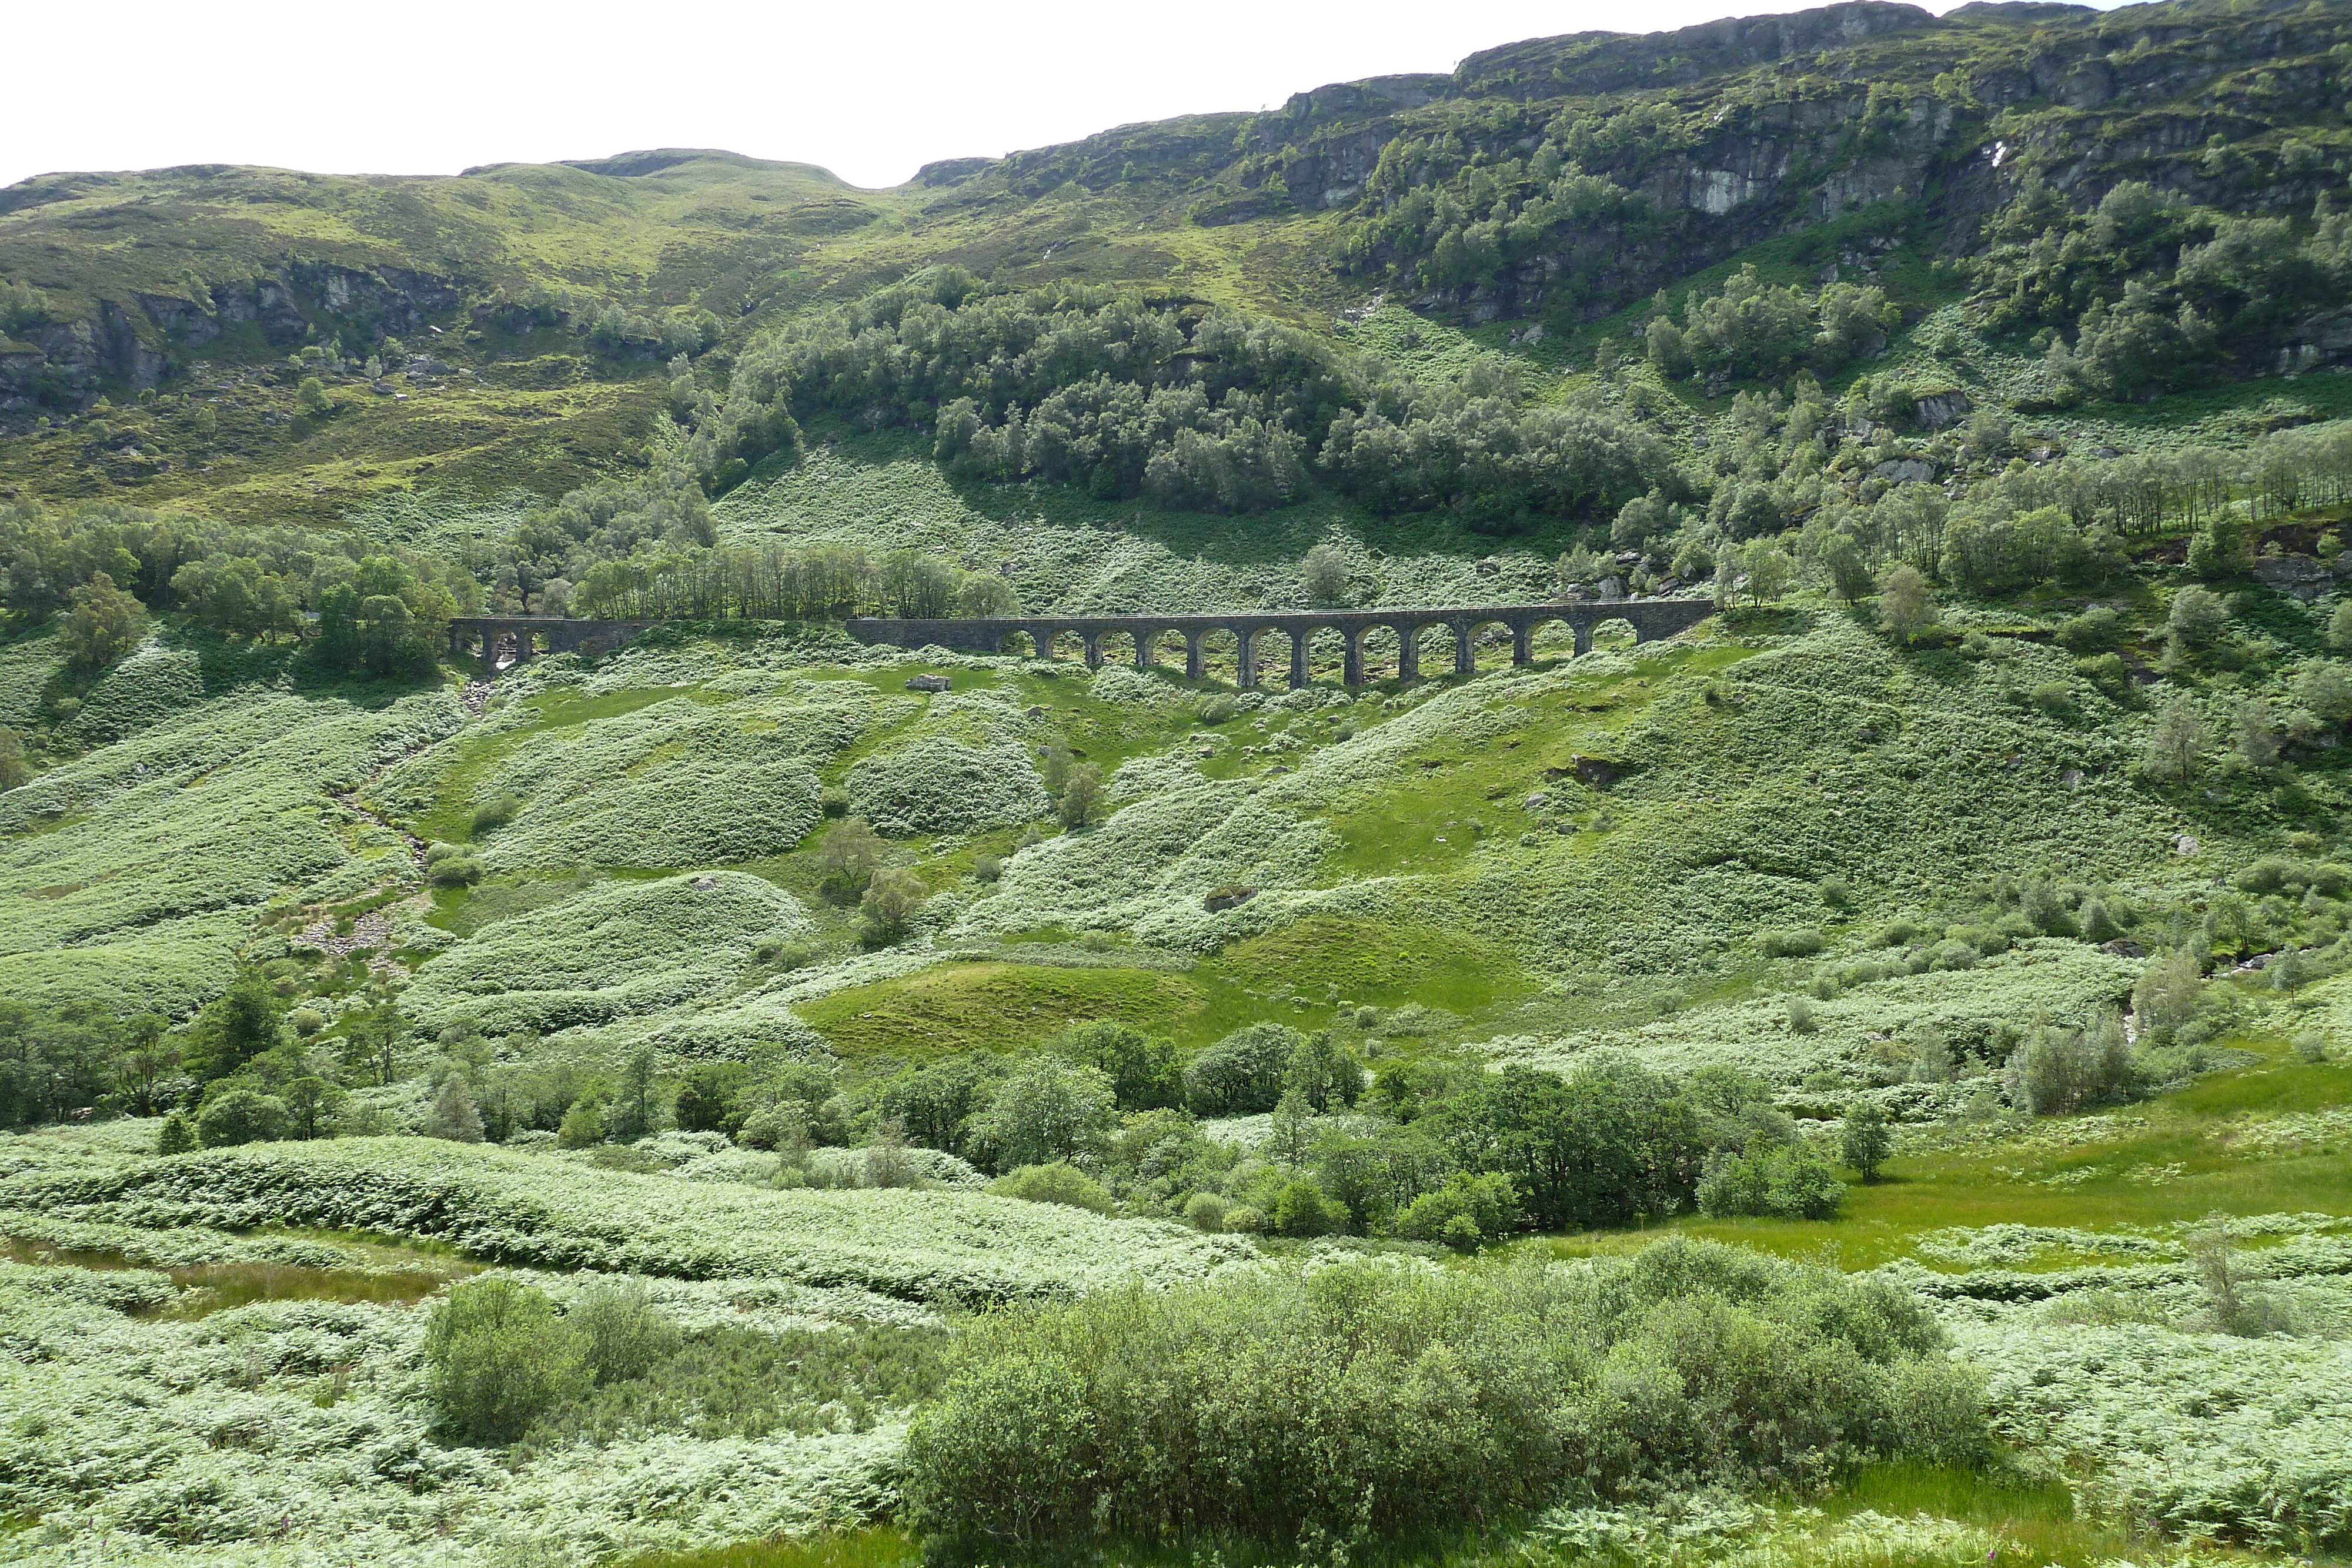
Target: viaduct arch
1651,619
488,638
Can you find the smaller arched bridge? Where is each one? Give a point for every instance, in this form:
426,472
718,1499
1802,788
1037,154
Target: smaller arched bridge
497,640
1649,617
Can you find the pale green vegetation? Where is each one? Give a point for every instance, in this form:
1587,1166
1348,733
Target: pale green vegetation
1863,1083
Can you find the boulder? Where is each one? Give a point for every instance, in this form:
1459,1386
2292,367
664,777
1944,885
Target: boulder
2300,575
928,684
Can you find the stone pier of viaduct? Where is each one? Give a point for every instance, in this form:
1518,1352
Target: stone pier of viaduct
1649,617
493,639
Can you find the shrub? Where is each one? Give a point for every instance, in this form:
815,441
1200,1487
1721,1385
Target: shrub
846,856
1865,1143
2057,1070
583,1124
1245,1220
454,1115
1784,1181
1906,611
892,901
2198,616
1359,1398
104,625
496,812
1301,1209
497,1357
1800,943
451,865
1469,1210
240,1116
178,1134
13,768
1323,575
1060,1182
1221,707
2095,630
2177,743
1049,1109
1205,1211
1141,1068
1082,796
621,1333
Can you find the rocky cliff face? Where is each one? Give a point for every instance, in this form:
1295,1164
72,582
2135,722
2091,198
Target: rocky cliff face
1782,122
141,341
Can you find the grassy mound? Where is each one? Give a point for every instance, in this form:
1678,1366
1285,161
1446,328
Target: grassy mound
510,1208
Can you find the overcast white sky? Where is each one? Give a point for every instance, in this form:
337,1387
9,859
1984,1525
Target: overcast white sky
869,90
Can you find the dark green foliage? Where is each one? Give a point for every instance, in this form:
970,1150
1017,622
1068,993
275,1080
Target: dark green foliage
238,1025
1754,329
937,1105
1323,1074
1783,1180
1141,1068
1242,1074
53,1062
1466,1210
1209,411
2157,288
385,619
1359,1400
178,1134
240,1115
706,1097
1606,1142
104,623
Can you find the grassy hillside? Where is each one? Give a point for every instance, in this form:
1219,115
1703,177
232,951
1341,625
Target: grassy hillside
1862,1082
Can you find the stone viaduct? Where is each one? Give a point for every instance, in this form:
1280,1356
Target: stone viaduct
495,634
1650,619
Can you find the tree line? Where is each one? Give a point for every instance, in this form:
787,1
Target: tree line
358,608
1194,407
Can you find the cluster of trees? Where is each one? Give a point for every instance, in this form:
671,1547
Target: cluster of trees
2156,289
1458,204
237,1072
364,609
1358,1404
1123,397
1439,1150
610,326
1753,329
1443,217
773,582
